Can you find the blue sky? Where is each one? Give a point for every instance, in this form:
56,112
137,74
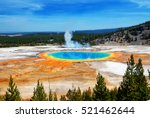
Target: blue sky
61,15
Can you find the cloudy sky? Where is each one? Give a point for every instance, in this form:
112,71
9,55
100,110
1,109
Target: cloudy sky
61,15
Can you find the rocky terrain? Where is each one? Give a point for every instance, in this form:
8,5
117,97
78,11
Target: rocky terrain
135,35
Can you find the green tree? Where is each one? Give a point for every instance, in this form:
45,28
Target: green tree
100,91
50,96
87,95
63,98
134,86
55,96
1,96
12,93
78,94
113,94
143,91
149,74
69,95
39,93
74,94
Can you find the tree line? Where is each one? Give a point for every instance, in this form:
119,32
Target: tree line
134,87
32,39
47,38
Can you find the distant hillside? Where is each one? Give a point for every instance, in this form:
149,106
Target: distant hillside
44,38
135,35
98,31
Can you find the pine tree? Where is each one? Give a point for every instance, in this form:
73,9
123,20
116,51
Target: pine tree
50,97
78,94
12,93
39,93
63,98
74,94
87,95
69,95
1,97
100,91
143,91
134,86
55,96
149,74
113,94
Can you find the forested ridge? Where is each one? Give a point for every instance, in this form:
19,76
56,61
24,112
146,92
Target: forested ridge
134,35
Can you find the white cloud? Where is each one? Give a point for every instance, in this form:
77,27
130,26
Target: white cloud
142,3
21,4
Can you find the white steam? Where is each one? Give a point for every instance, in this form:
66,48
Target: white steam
72,44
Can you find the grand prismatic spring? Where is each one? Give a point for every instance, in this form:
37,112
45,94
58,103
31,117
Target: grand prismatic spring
77,56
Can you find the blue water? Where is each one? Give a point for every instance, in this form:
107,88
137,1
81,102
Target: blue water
79,55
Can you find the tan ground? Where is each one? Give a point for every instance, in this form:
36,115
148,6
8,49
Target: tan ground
61,75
